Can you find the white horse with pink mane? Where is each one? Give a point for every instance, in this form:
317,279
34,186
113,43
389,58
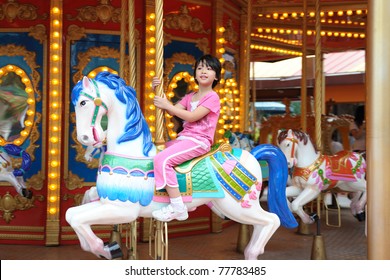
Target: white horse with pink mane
314,172
125,179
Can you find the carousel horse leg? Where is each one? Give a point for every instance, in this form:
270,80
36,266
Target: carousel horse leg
358,203
261,234
307,195
82,217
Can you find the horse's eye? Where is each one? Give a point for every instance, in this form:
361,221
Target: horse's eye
83,103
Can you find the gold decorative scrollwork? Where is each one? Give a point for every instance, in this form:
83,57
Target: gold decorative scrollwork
230,34
184,21
103,12
12,10
203,45
74,182
38,32
35,182
76,33
177,58
85,58
9,204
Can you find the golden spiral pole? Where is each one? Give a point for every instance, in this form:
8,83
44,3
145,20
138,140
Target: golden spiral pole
318,77
132,55
131,230
122,46
116,234
304,71
161,241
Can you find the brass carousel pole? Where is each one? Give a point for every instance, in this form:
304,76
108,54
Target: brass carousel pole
160,238
378,131
318,249
304,228
245,231
117,229
131,234
304,70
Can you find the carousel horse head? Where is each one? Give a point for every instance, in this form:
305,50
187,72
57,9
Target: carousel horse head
95,98
294,143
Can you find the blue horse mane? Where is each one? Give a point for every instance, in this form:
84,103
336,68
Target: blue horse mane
136,123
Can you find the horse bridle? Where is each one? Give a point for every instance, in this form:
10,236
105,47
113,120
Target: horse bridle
294,142
96,100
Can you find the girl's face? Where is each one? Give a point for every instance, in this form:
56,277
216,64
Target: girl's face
205,75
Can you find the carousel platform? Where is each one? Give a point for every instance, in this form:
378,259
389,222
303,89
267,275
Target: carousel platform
347,242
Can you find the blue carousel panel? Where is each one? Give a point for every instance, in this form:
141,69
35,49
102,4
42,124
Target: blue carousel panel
184,47
94,41
12,82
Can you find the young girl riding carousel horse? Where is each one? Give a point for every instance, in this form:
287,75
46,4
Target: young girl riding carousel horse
200,112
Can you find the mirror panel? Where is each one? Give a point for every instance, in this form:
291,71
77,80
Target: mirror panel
17,105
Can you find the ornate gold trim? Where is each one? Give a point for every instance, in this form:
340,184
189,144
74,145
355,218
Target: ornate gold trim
12,10
103,12
36,237
185,22
230,35
38,32
9,204
85,58
22,228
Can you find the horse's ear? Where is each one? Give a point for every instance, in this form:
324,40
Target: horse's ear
290,133
279,131
87,83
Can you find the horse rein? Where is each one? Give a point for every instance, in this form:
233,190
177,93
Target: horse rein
96,100
294,141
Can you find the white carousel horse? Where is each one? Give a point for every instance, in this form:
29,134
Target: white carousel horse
314,173
11,175
125,180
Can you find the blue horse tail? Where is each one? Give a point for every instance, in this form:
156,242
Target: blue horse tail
278,174
17,151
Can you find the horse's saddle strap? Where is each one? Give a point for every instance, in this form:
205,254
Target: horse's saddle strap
238,180
305,172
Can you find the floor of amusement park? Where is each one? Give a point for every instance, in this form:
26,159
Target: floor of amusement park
347,242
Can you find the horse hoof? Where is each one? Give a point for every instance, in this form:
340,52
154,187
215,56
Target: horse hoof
361,216
314,217
115,250
27,193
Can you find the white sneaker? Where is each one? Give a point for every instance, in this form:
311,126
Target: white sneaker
167,214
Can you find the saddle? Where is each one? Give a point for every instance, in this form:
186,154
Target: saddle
205,176
337,168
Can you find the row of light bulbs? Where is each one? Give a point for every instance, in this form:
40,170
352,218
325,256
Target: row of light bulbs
55,110
355,35
296,15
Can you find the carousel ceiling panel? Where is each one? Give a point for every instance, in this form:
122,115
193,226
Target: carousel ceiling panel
277,27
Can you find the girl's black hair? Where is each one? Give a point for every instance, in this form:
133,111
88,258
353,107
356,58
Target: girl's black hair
212,62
